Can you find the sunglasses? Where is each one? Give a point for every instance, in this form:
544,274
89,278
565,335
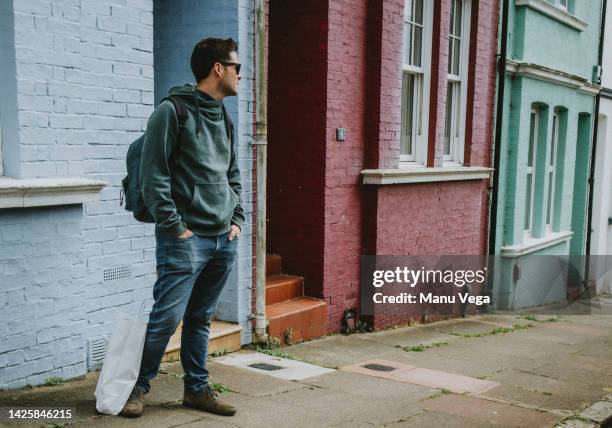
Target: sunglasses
235,64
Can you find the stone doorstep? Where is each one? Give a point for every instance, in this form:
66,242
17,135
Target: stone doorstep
281,368
425,377
224,337
599,411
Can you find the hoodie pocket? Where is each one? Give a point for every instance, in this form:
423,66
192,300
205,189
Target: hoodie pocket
212,204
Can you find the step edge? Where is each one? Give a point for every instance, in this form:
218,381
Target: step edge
318,304
234,330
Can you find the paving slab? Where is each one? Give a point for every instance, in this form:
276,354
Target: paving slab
545,400
337,407
281,368
497,413
582,393
445,380
421,376
368,386
154,416
429,419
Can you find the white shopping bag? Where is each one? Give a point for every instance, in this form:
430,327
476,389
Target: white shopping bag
121,365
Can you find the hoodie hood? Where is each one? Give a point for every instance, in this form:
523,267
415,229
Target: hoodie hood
201,102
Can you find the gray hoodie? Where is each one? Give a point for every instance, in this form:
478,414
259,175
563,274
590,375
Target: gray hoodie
202,190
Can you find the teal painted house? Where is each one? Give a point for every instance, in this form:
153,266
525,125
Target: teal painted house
544,144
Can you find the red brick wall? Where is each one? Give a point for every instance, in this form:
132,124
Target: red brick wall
337,63
346,108
296,137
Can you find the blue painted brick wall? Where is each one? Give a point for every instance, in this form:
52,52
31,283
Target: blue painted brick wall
43,322
84,90
178,27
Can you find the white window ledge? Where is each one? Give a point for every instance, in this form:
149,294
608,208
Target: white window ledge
558,77
534,244
424,174
40,192
554,12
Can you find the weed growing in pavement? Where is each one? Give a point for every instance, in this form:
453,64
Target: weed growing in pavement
219,388
578,418
534,318
218,353
439,393
498,330
421,347
54,381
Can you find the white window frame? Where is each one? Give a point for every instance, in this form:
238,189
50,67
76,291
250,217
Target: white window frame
530,170
562,4
551,172
457,84
420,101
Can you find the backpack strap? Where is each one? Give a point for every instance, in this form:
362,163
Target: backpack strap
229,127
181,116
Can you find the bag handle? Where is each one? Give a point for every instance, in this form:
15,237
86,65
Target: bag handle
142,307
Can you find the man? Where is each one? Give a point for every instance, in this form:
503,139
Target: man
194,197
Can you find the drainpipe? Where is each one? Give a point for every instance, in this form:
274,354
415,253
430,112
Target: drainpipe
501,83
261,141
494,185
594,148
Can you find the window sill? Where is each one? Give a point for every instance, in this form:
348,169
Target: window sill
554,12
40,192
534,244
424,174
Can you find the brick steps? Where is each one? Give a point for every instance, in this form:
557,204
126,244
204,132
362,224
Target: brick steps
283,287
224,337
291,314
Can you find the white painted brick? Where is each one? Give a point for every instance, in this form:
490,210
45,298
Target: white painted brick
126,68
74,371
141,4
147,97
44,365
40,7
66,44
13,373
126,96
15,357
140,30
125,13
142,243
93,35
139,110
100,235
38,169
96,7
111,24
66,121
19,341
121,219
98,66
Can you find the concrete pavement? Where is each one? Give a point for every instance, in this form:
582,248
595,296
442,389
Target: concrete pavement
532,372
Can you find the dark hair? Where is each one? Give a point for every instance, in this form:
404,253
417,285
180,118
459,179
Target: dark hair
208,51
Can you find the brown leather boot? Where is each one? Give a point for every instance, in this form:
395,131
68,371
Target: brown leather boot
209,401
135,404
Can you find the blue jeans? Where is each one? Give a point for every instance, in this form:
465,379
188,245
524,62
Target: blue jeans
190,276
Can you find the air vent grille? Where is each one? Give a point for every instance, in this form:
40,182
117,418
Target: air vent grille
117,272
96,351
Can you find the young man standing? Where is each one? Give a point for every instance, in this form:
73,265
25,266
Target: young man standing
193,193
